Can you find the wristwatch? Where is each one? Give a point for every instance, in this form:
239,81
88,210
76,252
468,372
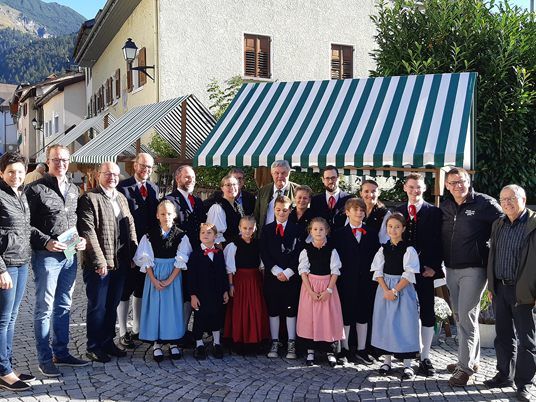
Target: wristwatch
395,292
329,290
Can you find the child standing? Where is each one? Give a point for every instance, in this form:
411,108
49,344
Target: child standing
356,245
319,311
395,322
208,288
280,248
246,321
161,311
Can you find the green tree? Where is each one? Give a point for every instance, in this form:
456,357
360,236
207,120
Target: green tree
494,39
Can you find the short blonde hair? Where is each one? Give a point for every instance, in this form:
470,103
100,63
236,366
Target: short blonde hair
209,226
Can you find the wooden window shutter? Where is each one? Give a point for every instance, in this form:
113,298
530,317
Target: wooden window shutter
129,79
106,121
142,61
257,56
117,83
342,62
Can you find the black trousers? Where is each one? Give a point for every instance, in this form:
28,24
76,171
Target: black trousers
134,283
425,293
515,343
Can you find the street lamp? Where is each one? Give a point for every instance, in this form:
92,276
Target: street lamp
130,51
38,127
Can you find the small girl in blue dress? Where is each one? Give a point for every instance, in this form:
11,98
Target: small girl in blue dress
161,311
395,321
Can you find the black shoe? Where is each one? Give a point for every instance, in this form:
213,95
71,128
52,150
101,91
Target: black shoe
98,356
158,356
522,394
408,373
384,370
342,356
498,382
200,352
113,350
134,337
310,360
16,386
175,352
332,360
426,368
26,377
363,357
126,341
217,351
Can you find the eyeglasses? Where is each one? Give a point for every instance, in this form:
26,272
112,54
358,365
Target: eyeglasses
148,167
332,178
509,199
57,161
110,174
230,185
457,183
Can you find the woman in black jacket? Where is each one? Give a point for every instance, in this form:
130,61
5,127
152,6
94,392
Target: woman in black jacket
15,254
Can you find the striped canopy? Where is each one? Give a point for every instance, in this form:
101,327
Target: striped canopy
164,117
407,121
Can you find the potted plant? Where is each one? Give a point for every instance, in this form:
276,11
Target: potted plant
486,321
442,313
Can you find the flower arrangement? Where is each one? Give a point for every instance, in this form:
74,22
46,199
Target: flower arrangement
441,309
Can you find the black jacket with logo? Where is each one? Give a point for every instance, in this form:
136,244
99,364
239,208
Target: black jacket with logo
466,230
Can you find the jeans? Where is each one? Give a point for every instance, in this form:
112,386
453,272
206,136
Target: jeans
466,287
9,309
55,276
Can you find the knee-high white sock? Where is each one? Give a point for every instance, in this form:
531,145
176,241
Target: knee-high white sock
136,314
122,315
427,334
387,359
407,363
344,342
361,330
274,327
291,328
187,311
216,336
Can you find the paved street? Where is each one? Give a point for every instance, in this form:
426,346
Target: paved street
138,377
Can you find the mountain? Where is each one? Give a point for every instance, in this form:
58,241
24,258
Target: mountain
39,18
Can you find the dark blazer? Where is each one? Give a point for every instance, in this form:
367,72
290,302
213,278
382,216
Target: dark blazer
263,199
335,217
428,245
248,201
188,220
281,252
143,211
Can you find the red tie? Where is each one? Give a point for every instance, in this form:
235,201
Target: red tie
360,230
143,190
413,212
211,250
331,202
192,200
280,230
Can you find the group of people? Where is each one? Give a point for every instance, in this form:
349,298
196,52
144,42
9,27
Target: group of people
342,274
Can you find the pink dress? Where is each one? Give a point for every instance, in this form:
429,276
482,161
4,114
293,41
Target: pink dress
319,320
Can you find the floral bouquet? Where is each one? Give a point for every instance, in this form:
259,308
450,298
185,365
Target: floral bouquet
441,309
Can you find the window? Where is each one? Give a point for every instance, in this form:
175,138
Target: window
342,62
117,83
56,124
257,56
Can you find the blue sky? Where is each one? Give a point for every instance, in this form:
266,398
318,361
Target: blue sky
89,8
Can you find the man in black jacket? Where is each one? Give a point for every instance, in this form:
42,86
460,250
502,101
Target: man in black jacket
466,228
53,201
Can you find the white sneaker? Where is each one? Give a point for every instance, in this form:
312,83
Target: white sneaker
291,349
273,350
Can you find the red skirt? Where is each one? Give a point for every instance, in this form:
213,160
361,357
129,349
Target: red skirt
246,320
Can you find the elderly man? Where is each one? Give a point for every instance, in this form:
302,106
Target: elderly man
264,206
330,204
142,197
35,174
512,281
105,220
53,200
466,227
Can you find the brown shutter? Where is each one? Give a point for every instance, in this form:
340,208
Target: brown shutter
106,121
142,78
347,62
342,62
117,83
263,56
257,56
129,78
249,56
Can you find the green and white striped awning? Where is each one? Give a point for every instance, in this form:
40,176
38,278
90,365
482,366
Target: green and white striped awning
407,121
164,117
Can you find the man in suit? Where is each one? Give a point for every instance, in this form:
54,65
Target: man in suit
264,206
330,204
423,232
142,197
104,219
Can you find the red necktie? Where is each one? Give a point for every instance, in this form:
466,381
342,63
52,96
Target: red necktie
211,250
192,200
360,230
413,212
331,202
280,230
143,190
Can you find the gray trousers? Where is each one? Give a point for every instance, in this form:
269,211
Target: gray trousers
466,287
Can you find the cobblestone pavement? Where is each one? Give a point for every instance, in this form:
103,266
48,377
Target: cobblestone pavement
137,377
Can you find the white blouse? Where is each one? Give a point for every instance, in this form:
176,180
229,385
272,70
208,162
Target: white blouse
334,263
410,262
144,257
216,216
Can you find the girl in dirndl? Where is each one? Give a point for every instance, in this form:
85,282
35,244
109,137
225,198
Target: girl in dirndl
246,322
395,321
319,311
161,310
